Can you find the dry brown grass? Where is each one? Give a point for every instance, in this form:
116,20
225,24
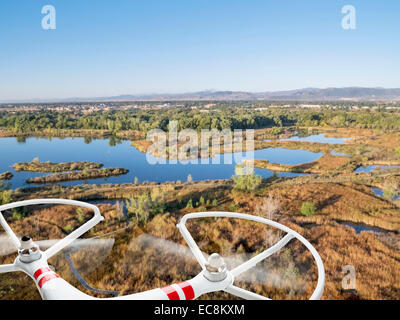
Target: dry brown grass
345,202
325,164
377,266
136,264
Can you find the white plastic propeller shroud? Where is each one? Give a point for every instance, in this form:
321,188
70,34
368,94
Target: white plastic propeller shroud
57,247
291,234
245,294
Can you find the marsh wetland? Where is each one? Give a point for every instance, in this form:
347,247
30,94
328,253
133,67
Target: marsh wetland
337,186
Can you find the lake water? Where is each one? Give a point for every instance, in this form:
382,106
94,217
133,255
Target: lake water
319,138
360,228
125,156
339,154
371,168
379,192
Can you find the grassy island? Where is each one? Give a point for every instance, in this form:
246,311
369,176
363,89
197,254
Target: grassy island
6,176
79,175
37,166
325,164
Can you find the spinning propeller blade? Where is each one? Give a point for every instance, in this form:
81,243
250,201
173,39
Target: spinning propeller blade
259,275
7,246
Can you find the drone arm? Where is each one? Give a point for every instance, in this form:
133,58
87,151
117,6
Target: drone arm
8,268
59,289
185,290
263,255
52,287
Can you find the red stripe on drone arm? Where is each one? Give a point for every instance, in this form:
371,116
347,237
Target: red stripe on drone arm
187,290
38,272
47,278
171,293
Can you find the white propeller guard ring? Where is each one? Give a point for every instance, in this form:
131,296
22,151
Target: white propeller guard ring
63,242
290,235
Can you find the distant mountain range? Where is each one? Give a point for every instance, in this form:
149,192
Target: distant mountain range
307,94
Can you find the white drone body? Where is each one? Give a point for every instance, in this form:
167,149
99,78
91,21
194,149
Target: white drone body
214,275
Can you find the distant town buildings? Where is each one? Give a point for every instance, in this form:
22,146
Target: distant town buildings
203,107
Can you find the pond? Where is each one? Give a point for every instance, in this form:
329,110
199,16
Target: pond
376,167
339,154
360,228
379,192
123,155
319,138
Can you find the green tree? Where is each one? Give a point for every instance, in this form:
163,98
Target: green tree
201,201
69,228
5,193
140,207
391,189
246,182
308,209
145,206
276,131
189,204
81,217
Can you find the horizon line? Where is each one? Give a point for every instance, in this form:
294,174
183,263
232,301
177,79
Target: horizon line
136,96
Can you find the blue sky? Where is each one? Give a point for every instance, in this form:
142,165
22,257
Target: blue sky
112,47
